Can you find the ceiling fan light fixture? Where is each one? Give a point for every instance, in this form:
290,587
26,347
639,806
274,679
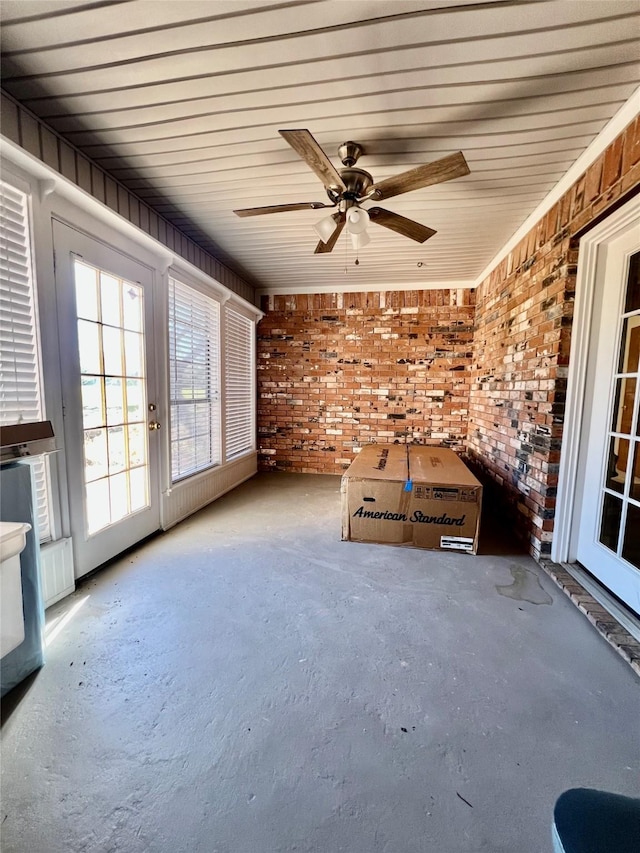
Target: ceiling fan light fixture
357,220
359,240
325,228
350,187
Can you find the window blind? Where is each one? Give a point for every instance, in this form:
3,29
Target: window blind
20,385
239,384
194,365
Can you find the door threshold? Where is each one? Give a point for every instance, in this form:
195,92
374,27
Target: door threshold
627,618
619,626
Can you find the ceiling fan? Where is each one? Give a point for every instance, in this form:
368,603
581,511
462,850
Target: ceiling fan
348,188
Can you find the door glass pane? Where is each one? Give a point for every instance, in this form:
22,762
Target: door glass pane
135,400
632,302
630,345
617,464
132,307
95,454
117,449
137,445
133,354
89,346
86,292
622,418
112,343
116,469
115,400
110,299
97,505
631,542
92,401
610,521
635,476
138,495
119,489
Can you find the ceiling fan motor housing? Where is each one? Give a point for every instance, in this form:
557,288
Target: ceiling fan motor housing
357,183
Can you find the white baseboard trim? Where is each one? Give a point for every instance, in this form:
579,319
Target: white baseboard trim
190,495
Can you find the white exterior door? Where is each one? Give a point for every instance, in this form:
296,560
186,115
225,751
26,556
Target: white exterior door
105,308
608,542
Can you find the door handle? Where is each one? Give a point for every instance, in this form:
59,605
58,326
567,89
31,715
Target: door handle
154,425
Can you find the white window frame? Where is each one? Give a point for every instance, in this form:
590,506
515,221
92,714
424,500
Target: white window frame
204,302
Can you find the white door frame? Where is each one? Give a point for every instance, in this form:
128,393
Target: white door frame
569,496
92,550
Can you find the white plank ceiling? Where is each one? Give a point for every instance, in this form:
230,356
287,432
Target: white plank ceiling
182,103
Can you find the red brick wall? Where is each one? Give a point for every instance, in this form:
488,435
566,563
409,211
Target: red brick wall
336,371
522,342
339,370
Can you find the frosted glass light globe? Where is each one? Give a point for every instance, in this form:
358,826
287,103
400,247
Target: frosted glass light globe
357,220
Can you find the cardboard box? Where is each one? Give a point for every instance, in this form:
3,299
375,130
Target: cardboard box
424,497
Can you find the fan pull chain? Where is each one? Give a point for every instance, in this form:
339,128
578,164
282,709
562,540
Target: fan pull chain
346,257
346,253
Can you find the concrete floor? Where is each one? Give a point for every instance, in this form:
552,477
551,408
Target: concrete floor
248,683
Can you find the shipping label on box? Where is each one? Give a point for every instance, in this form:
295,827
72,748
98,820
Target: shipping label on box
425,497
444,493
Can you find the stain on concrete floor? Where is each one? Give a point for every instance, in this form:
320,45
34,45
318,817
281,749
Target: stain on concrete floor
526,586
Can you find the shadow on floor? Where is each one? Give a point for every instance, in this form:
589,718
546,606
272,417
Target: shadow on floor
14,697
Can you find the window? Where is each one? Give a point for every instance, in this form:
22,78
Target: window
239,384
110,313
194,386
20,382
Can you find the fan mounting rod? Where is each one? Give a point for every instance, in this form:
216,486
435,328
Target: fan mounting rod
349,153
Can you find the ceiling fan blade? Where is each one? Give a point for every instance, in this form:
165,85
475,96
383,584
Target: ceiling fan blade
323,248
445,169
400,224
306,146
281,208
